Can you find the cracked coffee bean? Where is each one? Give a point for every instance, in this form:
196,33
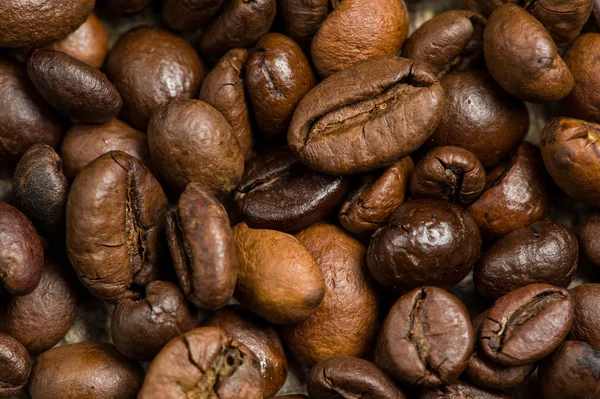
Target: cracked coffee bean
15,366
461,390
586,323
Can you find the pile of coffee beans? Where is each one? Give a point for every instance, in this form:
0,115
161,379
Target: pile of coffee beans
311,199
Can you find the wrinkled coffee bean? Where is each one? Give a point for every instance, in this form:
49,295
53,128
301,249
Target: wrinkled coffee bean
15,366
461,390
563,19
278,192
343,126
189,15
526,324
202,248
586,323
589,238
115,217
301,19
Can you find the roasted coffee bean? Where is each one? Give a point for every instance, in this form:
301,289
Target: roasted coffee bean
461,390
589,238
343,126
30,23
140,328
85,142
261,338
189,15
370,205
202,248
85,370
425,242
15,366
563,19
480,117
345,322
486,7
426,339
21,253
450,41
517,194
214,364
40,189
344,377
115,216
448,173
225,89
544,252
278,192
277,277
128,6
522,57
569,149
212,155
41,319
301,19
526,324
278,75
73,87
240,24
150,66
356,31
571,372
586,324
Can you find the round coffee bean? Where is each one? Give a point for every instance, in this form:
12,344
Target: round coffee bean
15,366
301,19
586,324
189,15
563,19
460,390
589,238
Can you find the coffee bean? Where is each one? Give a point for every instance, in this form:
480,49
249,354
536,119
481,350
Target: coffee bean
589,238
460,390
301,19
563,20
485,7
586,323
186,15
15,366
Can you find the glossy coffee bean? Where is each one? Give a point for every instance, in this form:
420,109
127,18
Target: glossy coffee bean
213,156
345,322
377,195
15,366
450,41
343,126
564,20
261,338
301,19
356,31
115,216
189,15
278,192
85,370
166,67
589,238
586,324
218,366
202,247
342,377
543,252
21,253
278,75
277,277
448,173
40,189
426,339
460,390
140,328
526,324
425,242
517,194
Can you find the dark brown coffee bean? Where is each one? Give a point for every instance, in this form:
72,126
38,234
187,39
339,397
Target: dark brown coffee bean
30,23
212,155
15,366
25,118
517,194
589,238
225,89
73,87
343,126
425,242
202,248
572,372
563,19
261,338
278,192
544,252
370,205
301,19
166,67
522,57
140,328
127,6
85,142
277,277
201,363
344,377
448,173
115,216
85,370
345,322
426,339
278,75
586,324
356,31
450,41
189,15
21,253
240,24
480,117
526,324
40,189
461,390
